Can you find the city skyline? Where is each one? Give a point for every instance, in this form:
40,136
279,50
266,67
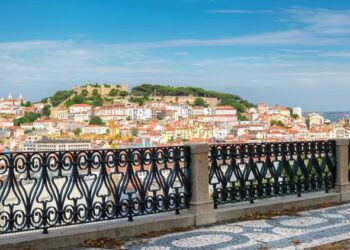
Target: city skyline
297,50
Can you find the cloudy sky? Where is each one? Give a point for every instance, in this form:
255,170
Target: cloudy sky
295,53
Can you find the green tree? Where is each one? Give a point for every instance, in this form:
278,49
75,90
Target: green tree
77,131
97,102
28,131
108,99
200,102
123,93
134,132
113,92
26,104
84,92
294,116
46,110
95,92
242,117
96,120
28,117
139,100
277,123
78,99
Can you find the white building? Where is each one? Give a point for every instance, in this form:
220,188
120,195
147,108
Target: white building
80,108
111,110
44,125
80,117
11,106
220,133
27,126
139,113
315,119
262,108
94,129
338,132
59,113
9,102
224,110
56,145
180,110
298,111
199,111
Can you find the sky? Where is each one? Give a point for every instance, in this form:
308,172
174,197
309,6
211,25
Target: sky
293,53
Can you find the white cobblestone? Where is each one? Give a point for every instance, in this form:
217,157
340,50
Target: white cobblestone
309,229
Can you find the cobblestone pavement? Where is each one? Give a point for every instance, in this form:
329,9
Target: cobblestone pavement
305,230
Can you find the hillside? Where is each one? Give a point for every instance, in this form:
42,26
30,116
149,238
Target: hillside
148,90
58,97
141,93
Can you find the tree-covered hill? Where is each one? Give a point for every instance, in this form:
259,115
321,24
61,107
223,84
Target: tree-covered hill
225,99
58,97
143,92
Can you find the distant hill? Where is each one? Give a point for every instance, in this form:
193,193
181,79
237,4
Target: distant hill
86,95
148,90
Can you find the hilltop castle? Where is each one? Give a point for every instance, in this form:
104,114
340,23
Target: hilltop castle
102,89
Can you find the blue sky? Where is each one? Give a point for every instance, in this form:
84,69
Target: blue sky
295,53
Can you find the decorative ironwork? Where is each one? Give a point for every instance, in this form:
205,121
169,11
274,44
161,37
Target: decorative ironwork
246,172
41,190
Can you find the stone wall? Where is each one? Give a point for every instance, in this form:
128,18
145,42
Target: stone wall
102,89
184,99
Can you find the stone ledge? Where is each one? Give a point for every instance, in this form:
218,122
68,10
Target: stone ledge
75,235
199,148
234,212
342,142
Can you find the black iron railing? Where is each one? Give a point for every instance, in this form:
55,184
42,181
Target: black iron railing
245,172
41,190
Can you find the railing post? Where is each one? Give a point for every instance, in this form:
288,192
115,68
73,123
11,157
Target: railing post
201,204
342,183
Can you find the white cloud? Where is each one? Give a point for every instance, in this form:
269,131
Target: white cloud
287,37
322,21
295,59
